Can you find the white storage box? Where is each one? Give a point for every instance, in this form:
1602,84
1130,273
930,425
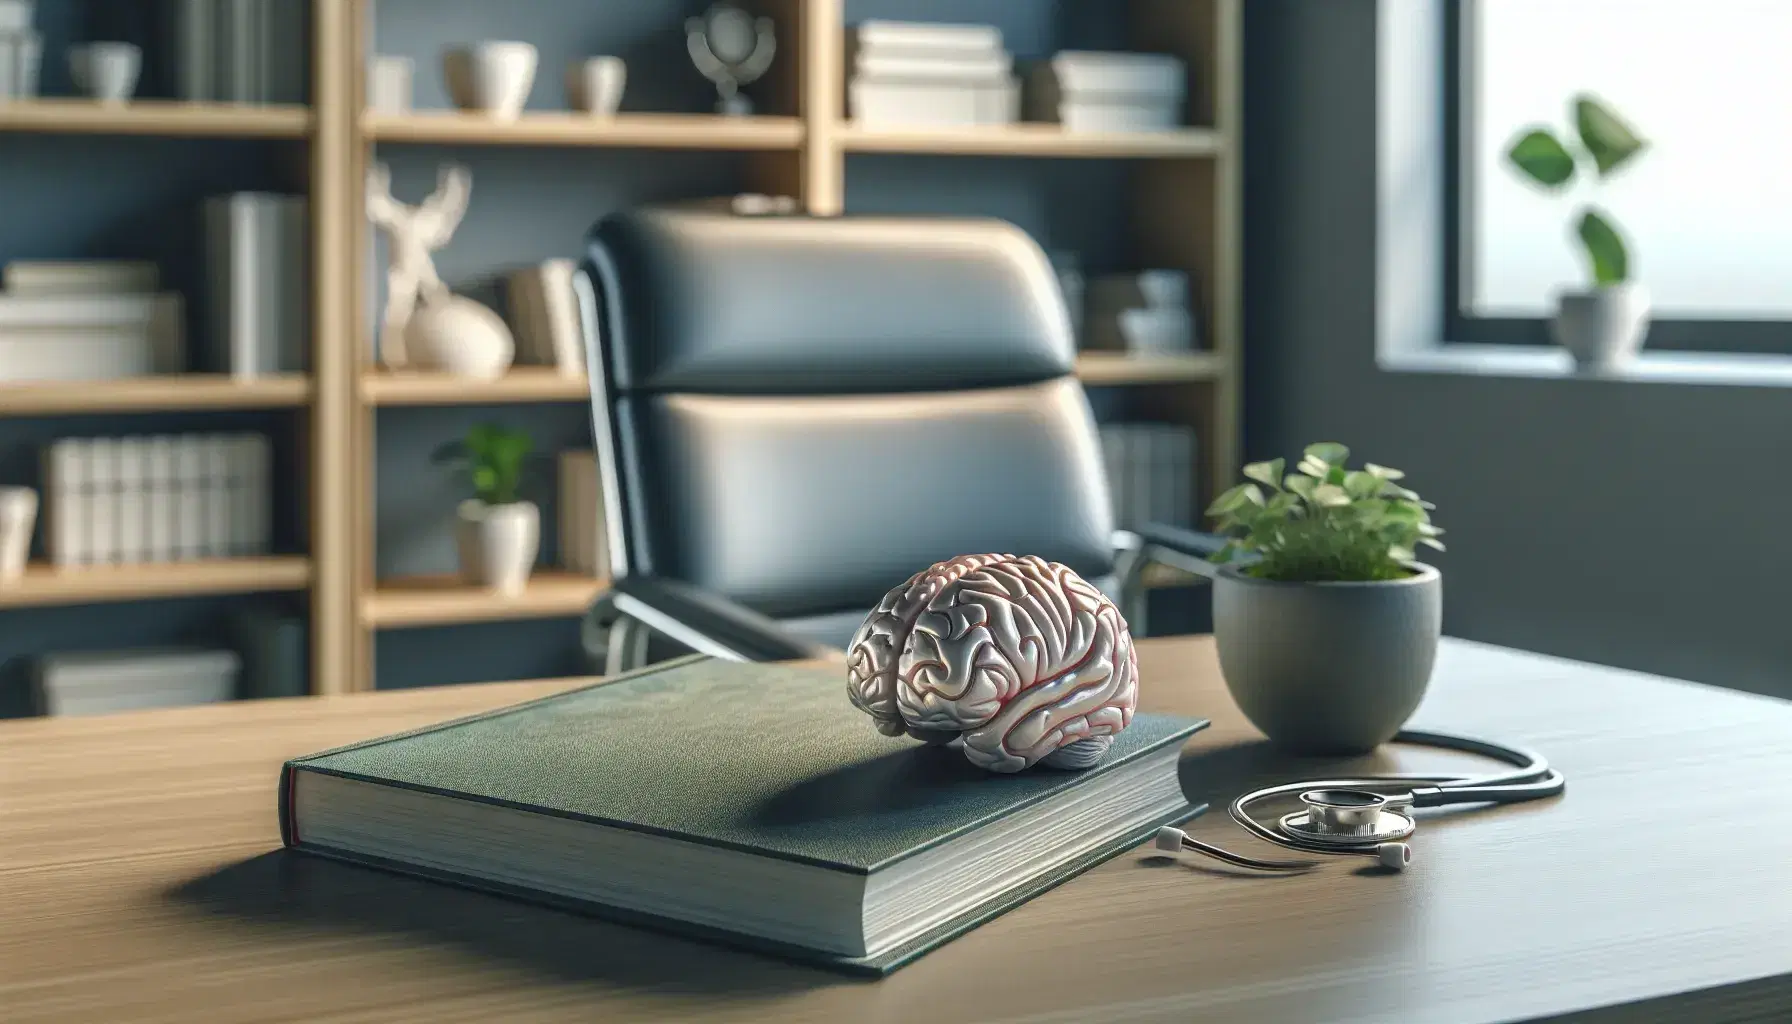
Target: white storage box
904,104
104,682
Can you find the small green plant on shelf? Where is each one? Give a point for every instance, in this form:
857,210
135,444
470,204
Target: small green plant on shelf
494,459
1324,522
1602,145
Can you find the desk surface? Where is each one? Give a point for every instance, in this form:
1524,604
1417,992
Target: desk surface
140,880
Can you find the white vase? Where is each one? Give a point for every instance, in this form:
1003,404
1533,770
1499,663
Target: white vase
106,71
459,336
595,85
492,78
498,544
1602,327
18,518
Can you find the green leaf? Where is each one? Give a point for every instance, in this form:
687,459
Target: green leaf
1610,141
1542,159
1232,500
1302,485
1329,452
1330,495
1401,555
1224,554
1283,502
1611,264
1432,542
1315,468
1382,471
1269,473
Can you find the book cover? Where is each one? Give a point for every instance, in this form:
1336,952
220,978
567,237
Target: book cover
189,498
161,544
103,501
767,760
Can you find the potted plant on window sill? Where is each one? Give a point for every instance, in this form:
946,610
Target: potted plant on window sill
1603,326
1326,622
497,532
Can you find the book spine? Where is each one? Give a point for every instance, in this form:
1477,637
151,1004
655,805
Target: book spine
133,510
265,260
62,465
257,487
189,499
926,37
215,456
81,277
103,508
948,68
561,311
191,25
160,485
292,260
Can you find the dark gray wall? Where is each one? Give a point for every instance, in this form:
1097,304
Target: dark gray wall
1638,525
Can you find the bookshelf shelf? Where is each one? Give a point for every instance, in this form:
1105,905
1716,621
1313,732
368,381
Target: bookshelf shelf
1041,140
560,128
156,118
47,585
1109,368
445,600
521,384
154,394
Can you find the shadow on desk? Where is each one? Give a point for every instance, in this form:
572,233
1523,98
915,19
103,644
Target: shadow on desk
286,890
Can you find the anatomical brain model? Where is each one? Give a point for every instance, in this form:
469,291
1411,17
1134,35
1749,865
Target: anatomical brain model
1023,659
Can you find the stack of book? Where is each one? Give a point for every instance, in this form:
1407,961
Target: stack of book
909,74
130,500
1087,91
544,317
21,51
105,682
1151,473
583,547
67,320
1144,312
239,51
257,282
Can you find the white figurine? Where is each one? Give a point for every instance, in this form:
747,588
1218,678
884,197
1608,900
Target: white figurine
425,323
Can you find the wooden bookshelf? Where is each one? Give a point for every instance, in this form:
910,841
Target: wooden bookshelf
556,128
521,384
1182,204
166,118
445,600
46,585
170,393
1037,140
1117,368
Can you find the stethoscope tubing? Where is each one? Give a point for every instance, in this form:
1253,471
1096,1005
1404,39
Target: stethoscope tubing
1531,778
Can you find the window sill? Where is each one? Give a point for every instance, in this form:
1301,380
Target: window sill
1706,368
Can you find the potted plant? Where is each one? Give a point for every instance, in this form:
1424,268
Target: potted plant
1601,326
1326,622
497,532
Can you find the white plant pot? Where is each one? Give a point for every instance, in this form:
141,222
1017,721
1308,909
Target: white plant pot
498,544
595,86
459,336
1603,327
18,518
491,78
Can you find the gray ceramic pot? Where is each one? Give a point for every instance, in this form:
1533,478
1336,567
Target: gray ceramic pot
1327,668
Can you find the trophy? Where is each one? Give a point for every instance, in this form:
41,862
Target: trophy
730,48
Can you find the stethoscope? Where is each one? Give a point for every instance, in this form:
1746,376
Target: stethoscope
1372,816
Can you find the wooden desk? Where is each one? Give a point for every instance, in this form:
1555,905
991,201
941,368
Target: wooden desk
139,881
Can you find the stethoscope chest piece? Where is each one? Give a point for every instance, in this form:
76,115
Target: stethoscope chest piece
1348,818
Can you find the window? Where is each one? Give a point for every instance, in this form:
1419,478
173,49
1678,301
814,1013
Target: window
1705,209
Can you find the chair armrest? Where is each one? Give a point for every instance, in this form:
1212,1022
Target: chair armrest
708,622
1187,550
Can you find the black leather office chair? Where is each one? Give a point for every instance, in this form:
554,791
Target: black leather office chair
795,414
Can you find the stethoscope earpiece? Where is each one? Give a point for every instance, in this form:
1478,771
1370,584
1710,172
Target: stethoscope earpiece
1353,816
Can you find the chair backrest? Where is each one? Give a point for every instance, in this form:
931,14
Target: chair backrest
799,413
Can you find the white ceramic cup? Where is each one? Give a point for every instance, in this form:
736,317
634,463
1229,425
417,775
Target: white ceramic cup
106,71
595,85
493,78
18,518
390,84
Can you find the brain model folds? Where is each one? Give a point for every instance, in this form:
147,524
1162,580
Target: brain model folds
1023,659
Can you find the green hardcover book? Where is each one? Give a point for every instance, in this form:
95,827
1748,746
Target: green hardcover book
742,803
